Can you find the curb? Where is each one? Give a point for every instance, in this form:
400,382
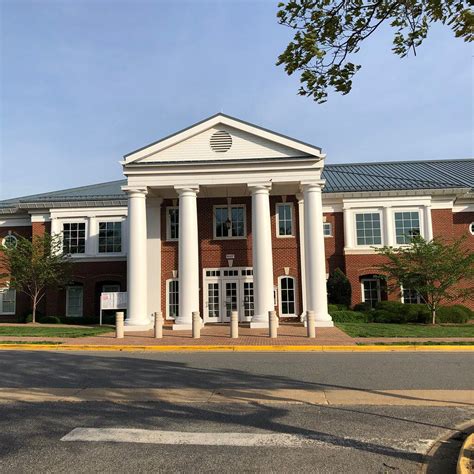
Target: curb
236,348
465,456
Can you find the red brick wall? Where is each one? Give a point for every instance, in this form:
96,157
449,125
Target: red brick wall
22,302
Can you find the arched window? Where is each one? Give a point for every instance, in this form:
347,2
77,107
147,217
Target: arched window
287,300
9,241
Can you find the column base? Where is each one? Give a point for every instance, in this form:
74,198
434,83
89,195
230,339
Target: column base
137,327
321,324
258,325
184,326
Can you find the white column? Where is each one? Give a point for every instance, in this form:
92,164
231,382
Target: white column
188,257
302,253
261,255
153,221
348,228
389,231
137,317
316,292
428,223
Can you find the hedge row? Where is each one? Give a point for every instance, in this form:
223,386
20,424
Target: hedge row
397,312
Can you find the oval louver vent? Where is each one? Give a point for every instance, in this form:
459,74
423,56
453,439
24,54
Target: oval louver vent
221,141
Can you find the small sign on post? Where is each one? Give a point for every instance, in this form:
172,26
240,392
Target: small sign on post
112,300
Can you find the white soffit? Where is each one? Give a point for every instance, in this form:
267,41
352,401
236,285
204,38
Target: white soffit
247,142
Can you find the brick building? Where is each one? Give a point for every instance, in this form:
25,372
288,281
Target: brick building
226,215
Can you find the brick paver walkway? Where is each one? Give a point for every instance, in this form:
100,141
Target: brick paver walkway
211,335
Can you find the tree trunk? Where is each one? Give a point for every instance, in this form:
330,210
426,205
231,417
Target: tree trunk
433,316
33,319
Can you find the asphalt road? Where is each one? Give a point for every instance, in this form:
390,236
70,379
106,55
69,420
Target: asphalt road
381,371
329,439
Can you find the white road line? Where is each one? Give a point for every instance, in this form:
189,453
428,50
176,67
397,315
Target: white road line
130,435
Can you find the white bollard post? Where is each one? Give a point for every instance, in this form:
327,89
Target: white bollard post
158,325
272,324
234,325
196,325
119,331
310,324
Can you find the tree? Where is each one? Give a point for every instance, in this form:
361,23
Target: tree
433,268
328,32
339,288
35,264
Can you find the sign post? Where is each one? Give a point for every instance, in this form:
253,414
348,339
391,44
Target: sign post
112,300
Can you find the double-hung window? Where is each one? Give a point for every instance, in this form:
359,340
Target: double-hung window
110,237
411,296
74,301
74,237
327,229
285,219
287,296
172,223
371,291
407,226
229,222
7,301
172,306
368,228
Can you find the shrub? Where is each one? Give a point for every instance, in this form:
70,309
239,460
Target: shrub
452,314
350,317
384,316
339,288
332,308
50,320
362,307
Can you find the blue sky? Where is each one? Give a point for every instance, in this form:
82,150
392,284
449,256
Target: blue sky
85,82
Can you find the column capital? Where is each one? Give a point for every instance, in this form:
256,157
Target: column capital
312,186
135,191
190,190
300,198
260,188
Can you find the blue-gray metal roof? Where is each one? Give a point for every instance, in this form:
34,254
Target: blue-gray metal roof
355,177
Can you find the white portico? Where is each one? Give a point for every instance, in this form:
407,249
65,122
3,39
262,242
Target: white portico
225,158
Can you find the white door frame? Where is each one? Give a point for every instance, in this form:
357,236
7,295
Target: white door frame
220,276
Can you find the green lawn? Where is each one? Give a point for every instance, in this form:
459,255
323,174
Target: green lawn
415,343
405,330
35,331
53,343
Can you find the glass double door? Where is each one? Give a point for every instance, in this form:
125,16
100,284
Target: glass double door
227,295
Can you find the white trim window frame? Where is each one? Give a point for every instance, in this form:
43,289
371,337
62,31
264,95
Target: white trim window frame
283,297
172,298
172,223
285,220
416,299
471,228
74,303
72,222
327,225
7,297
10,240
378,287
121,233
229,209
363,231
401,219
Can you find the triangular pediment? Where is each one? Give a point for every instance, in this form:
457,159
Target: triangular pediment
221,138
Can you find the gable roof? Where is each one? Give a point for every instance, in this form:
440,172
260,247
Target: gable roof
220,119
340,178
